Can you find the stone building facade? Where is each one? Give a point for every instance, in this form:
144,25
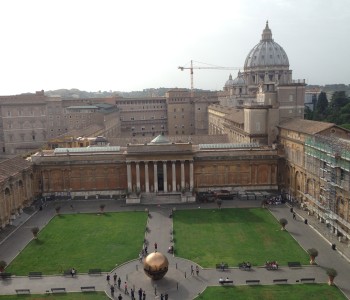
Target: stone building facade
263,144
28,121
23,123
17,186
180,112
187,112
142,117
264,94
159,167
317,170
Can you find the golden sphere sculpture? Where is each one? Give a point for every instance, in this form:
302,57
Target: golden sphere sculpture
155,265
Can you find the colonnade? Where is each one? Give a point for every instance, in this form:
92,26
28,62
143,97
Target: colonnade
171,181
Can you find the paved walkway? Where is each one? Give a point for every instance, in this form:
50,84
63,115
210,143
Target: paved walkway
178,282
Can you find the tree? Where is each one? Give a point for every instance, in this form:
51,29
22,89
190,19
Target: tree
332,273
321,107
283,222
339,100
3,265
344,114
308,113
57,209
313,254
35,231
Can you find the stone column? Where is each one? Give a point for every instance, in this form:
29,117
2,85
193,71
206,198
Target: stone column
191,175
174,174
165,176
182,174
128,169
138,176
146,177
155,171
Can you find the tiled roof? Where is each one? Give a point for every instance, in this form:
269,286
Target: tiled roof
11,167
235,115
87,132
231,113
305,126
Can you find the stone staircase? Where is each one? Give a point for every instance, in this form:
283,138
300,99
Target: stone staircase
159,198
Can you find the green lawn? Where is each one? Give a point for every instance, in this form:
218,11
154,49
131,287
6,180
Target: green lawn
68,296
274,292
210,236
83,241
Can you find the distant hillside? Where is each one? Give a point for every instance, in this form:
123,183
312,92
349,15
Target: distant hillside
78,94
332,87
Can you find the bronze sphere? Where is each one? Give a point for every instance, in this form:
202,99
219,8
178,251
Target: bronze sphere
155,265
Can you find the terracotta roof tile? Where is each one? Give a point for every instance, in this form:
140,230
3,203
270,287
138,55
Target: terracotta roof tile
231,113
11,167
305,126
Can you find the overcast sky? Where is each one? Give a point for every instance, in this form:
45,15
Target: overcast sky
138,44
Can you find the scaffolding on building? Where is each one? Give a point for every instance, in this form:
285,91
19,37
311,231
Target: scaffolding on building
328,158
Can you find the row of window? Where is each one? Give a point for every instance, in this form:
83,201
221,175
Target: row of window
138,101
182,109
142,118
21,113
144,128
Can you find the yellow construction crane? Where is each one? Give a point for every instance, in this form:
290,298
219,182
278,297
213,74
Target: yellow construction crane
191,67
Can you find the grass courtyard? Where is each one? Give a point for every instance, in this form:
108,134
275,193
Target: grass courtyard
210,236
83,241
274,292
207,237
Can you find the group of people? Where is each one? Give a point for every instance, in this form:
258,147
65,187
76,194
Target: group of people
271,265
117,283
164,296
274,200
245,265
192,270
221,280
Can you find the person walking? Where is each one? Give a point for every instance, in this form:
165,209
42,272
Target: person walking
126,288
112,291
166,296
192,270
155,247
73,272
108,278
132,294
140,293
115,278
119,282
161,297
144,295
294,216
120,297
197,270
